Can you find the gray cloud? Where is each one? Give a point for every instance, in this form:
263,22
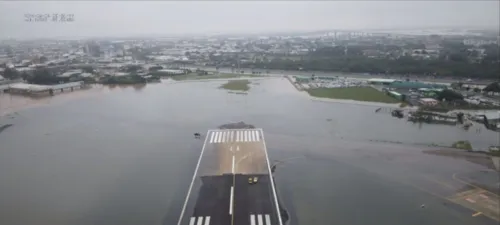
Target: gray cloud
95,18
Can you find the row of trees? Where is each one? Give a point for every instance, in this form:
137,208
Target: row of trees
403,65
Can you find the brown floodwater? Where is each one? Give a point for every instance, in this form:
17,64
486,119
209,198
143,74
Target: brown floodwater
126,155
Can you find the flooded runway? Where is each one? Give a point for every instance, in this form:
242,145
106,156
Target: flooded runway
127,156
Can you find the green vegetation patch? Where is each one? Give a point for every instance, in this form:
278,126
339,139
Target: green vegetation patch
367,94
465,145
236,85
129,79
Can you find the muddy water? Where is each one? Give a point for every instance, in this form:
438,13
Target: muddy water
125,155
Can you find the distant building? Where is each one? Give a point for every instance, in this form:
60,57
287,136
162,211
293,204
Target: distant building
428,101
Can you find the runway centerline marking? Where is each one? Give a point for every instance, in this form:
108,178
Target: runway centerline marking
231,201
232,167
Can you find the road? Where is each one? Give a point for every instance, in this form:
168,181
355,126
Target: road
221,193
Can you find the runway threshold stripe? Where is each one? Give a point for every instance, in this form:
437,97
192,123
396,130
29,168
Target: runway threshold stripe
231,201
237,136
254,135
259,217
207,220
258,135
216,137
268,219
220,137
212,137
193,219
224,137
252,219
200,220
246,136
232,136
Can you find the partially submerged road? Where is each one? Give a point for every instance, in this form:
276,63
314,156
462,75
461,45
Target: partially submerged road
220,192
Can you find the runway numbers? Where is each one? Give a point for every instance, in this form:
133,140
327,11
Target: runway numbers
235,136
259,219
201,220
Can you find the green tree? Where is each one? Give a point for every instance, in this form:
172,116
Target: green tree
493,87
11,74
449,95
43,76
88,69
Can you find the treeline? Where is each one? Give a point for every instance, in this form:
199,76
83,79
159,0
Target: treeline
130,79
451,62
403,65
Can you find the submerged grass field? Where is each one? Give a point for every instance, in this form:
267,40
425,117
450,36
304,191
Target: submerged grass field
366,94
236,85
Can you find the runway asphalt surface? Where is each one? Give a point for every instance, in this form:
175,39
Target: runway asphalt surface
232,182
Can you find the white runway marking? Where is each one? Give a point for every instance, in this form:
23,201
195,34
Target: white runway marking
268,219
235,136
220,137
231,201
200,220
192,181
216,136
280,222
261,219
212,137
232,168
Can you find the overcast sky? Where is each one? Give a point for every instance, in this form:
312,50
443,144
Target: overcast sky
100,18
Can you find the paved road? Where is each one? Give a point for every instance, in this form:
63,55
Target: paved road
223,194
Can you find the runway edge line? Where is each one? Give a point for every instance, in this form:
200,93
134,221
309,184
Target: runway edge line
192,180
272,179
